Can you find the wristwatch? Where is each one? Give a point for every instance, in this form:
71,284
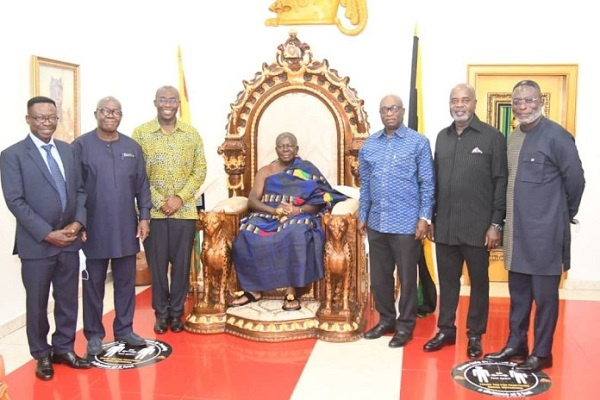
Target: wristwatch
497,227
426,220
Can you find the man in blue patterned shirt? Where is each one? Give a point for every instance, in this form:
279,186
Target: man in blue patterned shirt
396,201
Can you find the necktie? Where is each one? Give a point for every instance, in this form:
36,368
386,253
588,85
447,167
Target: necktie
57,175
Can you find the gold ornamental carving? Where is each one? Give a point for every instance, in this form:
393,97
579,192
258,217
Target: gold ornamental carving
294,71
338,266
320,12
216,259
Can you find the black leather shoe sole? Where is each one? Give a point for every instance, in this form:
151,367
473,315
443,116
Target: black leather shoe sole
534,364
44,375
400,339
436,344
161,326
379,331
506,355
43,369
474,349
71,360
474,353
176,325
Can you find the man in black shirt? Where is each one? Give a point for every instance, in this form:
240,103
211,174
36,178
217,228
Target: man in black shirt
471,175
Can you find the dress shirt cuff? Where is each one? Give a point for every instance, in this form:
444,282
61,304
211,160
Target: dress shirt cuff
144,214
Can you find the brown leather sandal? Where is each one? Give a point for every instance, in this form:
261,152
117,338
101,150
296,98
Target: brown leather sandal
288,302
250,298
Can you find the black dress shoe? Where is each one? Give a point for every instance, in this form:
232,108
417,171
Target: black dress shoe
506,354
161,325
43,369
474,349
176,324
439,340
400,339
534,364
379,331
132,339
72,360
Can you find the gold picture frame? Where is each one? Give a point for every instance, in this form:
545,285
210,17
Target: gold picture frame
499,111
58,80
493,86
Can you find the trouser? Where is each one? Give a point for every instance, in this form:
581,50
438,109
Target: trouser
170,242
450,261
524,289
62,271
386,252
123,272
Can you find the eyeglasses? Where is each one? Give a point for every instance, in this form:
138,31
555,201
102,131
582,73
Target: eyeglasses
170,102
44,118
108,112
285,146
394,109
528,101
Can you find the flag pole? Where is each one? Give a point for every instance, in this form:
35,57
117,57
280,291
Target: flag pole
426,290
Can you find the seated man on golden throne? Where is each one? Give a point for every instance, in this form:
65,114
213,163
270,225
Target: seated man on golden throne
299,244
280,244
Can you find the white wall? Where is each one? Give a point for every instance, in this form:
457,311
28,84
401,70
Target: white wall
128,49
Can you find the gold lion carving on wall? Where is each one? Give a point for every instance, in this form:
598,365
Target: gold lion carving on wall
319,12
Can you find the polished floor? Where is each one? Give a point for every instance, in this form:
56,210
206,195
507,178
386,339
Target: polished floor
226,367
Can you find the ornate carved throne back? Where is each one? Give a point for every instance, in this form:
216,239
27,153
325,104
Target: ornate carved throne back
300,95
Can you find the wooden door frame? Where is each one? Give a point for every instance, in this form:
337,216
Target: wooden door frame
565,98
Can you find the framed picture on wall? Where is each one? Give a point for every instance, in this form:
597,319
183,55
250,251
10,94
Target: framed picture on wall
493,86
58,80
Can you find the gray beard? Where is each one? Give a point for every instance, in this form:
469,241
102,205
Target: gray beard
531,118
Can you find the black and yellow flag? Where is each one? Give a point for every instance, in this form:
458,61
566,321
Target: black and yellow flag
417,122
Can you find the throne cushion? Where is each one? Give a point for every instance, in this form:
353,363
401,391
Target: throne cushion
352,192
348,206
236,204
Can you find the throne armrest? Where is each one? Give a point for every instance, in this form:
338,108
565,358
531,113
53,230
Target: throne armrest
350,205
235,204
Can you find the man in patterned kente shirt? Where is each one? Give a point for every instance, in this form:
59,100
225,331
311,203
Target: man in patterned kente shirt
176,168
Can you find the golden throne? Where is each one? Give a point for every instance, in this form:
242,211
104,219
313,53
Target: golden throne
306,97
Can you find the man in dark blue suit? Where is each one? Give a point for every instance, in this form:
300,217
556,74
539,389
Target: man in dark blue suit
115,181
42,188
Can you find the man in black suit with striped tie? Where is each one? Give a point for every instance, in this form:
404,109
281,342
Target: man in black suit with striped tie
42,187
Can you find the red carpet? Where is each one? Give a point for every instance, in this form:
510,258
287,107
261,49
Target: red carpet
225,367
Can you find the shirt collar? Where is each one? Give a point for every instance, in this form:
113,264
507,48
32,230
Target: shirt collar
400,132
39,143
155,126
475,125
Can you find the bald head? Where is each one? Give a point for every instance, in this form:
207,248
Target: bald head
465,88
393,98
108,99
287,135
170,90
391,111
